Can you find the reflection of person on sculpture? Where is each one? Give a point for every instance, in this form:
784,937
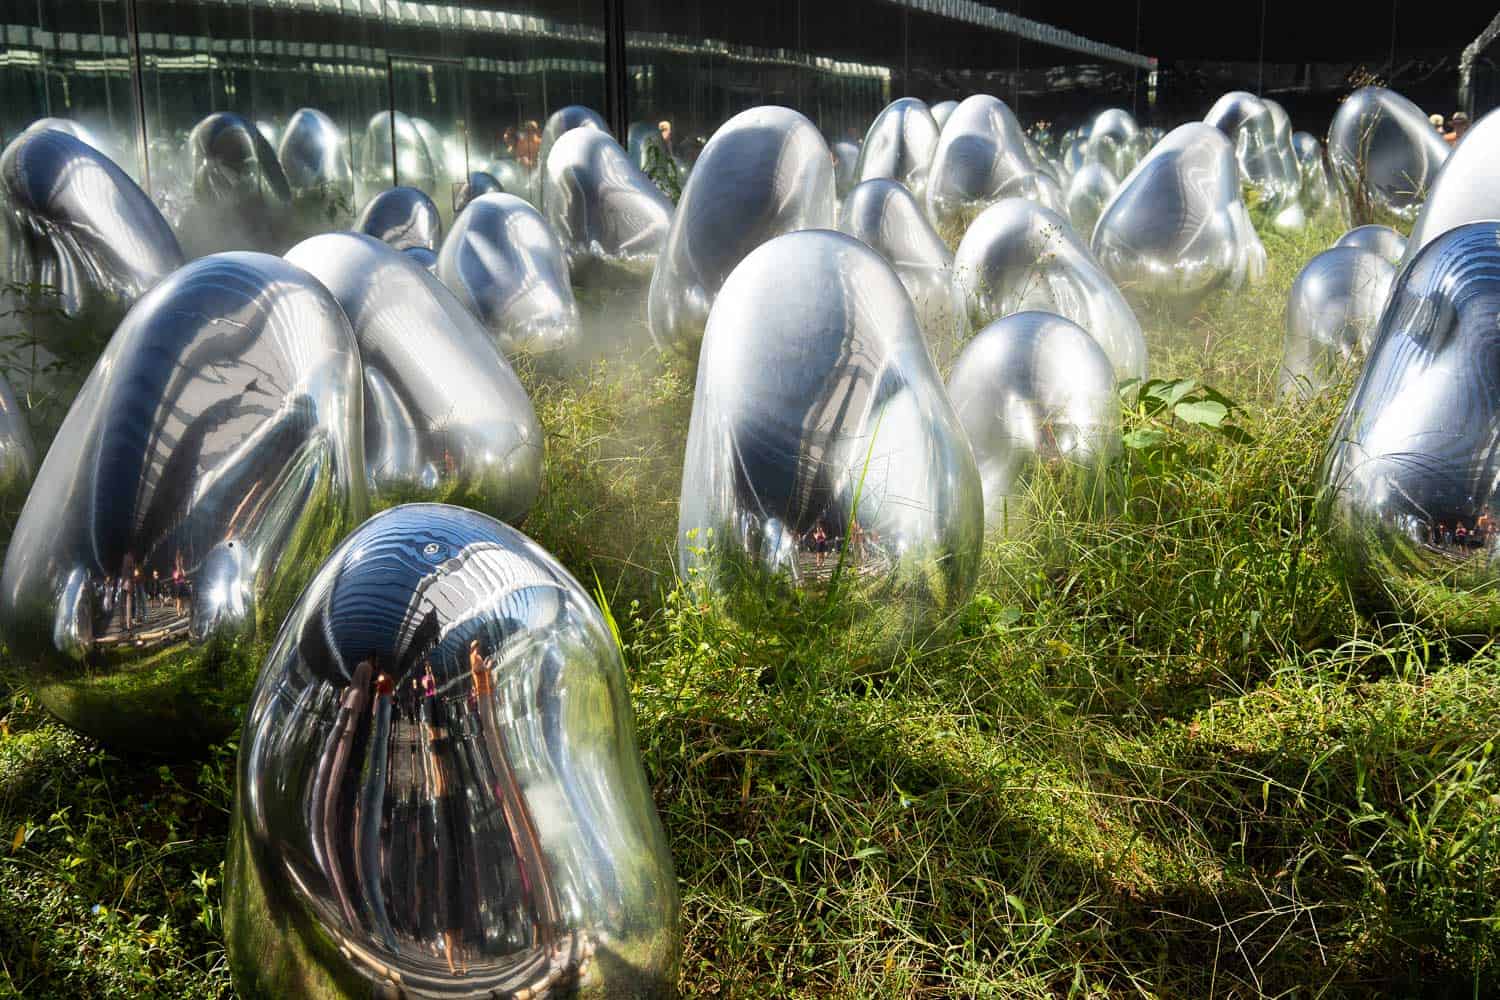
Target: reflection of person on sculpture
370,808
127,578
446,908
328,830
179,582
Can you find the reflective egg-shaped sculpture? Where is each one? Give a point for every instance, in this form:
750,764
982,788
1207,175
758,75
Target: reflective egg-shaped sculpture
885,216
822,452
241,198
1385,154
1036,187
1034,388
313,156
78,224
479,183
504,263
941,110
1116,123
608,215
1019,256
269,132
1319,194
445,416
980,149
1176,228
1089,190
213,458
414,165
439,790
1263,154
1331,315
1466,189
899,145
1381,240
403,218
564,120
845,164
764,173
1412,467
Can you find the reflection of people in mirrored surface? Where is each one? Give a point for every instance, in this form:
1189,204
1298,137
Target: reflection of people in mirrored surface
440,832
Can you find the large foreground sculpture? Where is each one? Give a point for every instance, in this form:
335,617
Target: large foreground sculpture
1331,315
823,452
211,461
1466,189
445,416
1412,465
765,172
1031,389
1385,155
439,789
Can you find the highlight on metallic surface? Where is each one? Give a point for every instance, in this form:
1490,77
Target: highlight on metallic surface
823,454
75,222
1089,190
1320,196
1381,240
1331,315
1019,256
564,120
899,145
313,156
403,218
212,459
1110,140
1262,148
83,134
479,182
241,198
415,165
505,265
1411,470
885,216
980,149
607,214
445,416
940,112
1176,227
1030,389
1036,187
764,173
1466,189
1385,155
439,792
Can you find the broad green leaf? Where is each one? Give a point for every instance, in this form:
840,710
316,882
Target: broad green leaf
1204,412
1146,437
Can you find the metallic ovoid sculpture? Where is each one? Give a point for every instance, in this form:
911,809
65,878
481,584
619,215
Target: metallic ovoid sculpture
899,145
1262,149
980,149
1320,196
1411,470
313,156
479,183
941,110
609,217
1466,189
400,160
445,416
1018,256
77,223
1331,315
17,451
764,173
823,453
1036,187
211,461
404,218
564,120
1176,228
1385,155
885,216
1034,388
241,198
1381,240
439,791
1089,190
504,263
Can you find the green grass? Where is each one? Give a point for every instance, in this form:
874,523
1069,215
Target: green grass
1158,755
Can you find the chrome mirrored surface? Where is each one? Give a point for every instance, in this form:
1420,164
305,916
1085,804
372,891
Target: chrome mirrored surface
241,198
608,215
1320,196
822,451
899,145
403,218
1412,469
17,452
979,150
1385,155
886,217
1033,388
446,419
76,223
1038,188
1381,240
505,265
564,120
401,159
1262,139
845,165
1019,256
941,110
764,173
1089,190
1176,228
1331,315
314,157
1466,189
212,459
479,182
439,791
516,179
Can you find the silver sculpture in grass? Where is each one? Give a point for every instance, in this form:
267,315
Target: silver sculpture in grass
899,145
980,149
1331,315
1385,155
610,218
